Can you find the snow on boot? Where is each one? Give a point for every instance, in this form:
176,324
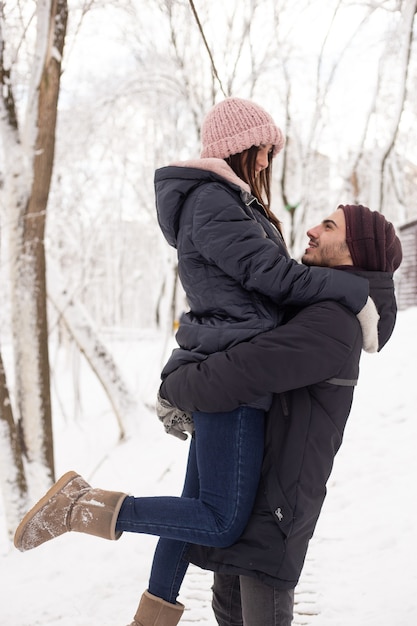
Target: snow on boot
153,611
71,504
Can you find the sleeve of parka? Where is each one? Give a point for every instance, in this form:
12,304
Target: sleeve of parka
313,347
226,236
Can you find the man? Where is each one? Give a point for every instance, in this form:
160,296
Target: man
311,365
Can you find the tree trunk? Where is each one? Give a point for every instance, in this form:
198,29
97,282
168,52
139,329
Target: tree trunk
30,324
12,474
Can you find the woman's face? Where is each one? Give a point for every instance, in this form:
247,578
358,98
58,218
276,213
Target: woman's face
261,161
262,157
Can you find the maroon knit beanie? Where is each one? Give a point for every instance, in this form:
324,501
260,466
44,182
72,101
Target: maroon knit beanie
371,239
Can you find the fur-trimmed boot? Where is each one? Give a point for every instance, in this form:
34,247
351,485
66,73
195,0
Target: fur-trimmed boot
71,504
153,611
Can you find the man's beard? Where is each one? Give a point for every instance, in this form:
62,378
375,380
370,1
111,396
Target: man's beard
330,256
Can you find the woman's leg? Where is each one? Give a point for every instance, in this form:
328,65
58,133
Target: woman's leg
229,451
170,564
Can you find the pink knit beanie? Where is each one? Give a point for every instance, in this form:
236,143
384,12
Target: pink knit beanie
235,125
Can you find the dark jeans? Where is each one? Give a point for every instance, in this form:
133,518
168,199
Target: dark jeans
222,477
245,601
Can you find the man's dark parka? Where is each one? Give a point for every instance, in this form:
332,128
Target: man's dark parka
311,364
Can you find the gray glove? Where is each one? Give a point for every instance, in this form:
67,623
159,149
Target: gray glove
176,422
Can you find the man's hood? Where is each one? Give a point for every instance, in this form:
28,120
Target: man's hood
382,292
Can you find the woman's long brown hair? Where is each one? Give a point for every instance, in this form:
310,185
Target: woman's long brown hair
243,165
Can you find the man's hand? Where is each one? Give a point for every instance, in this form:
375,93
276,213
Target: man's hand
176,422
368,319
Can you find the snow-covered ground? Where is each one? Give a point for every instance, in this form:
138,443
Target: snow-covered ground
361,566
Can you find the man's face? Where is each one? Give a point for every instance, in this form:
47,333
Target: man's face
327,246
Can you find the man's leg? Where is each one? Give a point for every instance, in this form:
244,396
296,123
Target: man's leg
226,600
263,605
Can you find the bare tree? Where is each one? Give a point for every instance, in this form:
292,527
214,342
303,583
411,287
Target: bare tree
386,110
28,141
82,331
28,159
27,218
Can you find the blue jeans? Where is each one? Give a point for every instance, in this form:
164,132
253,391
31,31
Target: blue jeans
242,600
222,476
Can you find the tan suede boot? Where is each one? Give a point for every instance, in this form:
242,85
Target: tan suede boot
70,505
153,611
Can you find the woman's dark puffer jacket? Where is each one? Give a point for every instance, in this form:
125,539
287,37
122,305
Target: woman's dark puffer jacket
233,263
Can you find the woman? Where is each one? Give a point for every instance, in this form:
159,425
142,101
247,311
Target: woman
236,273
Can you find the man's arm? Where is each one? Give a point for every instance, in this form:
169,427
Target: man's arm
311,348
